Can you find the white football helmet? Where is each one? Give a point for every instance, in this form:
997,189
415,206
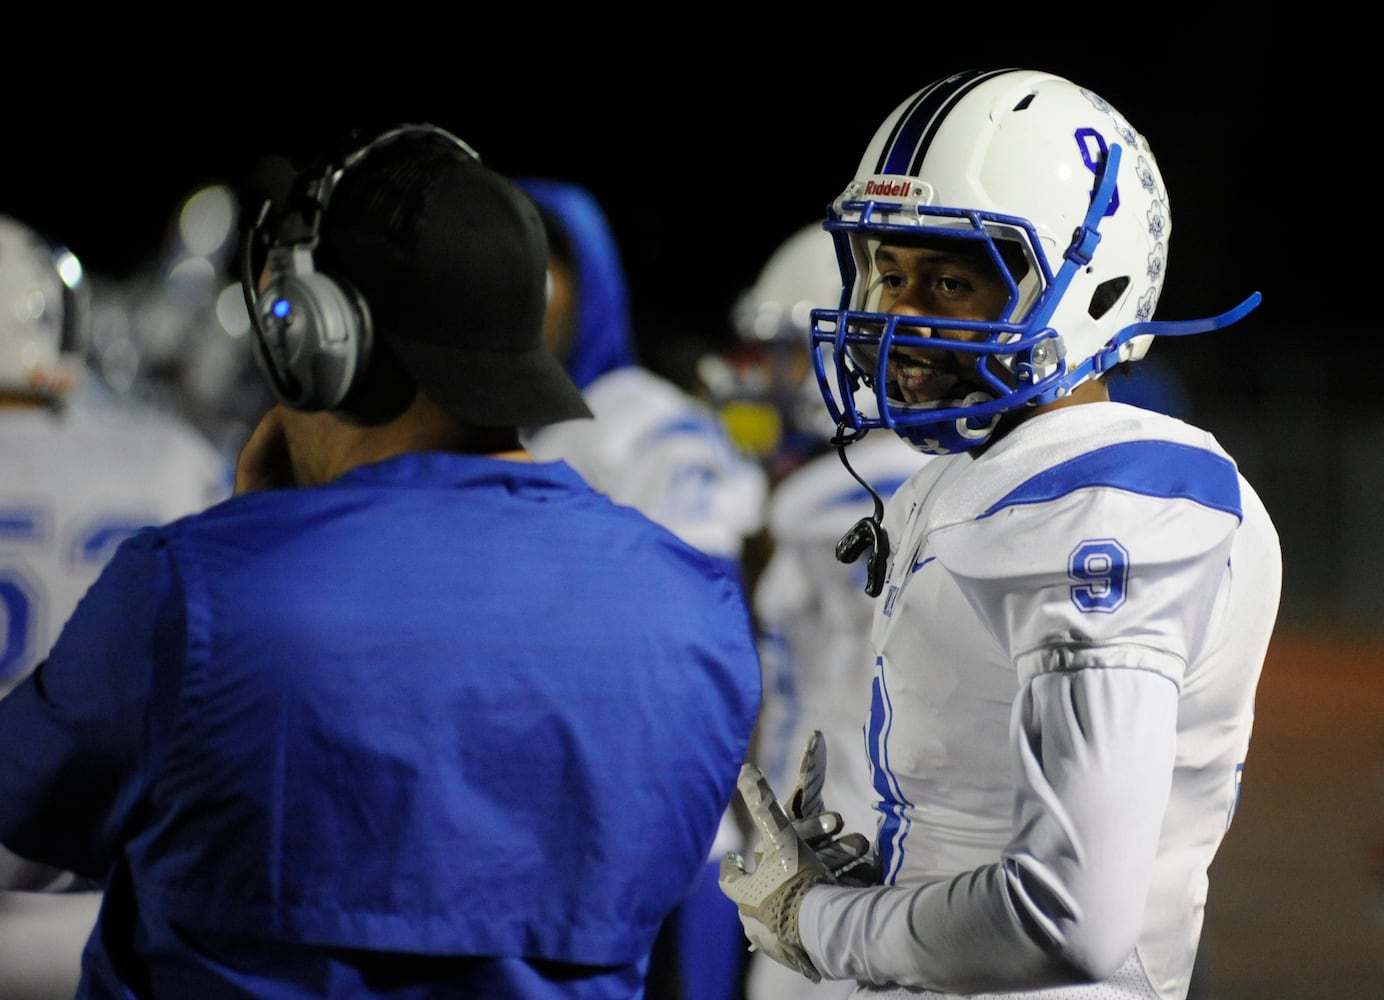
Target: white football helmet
43,315
772,320
801,274
1066,199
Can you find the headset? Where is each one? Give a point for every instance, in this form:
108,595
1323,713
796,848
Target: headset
313,336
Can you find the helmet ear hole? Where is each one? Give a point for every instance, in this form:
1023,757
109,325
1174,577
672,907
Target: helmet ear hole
1014,257
1105,296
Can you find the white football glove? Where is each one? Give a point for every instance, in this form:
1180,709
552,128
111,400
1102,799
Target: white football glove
851,859
785,868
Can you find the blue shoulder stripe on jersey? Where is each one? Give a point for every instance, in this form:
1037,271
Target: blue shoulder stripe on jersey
22,522
1151,468
849,497
912,133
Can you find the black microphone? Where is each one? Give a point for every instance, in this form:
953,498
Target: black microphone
268,193
271,179
868,533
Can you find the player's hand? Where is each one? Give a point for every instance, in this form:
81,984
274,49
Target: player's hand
851,859
264,463
768,896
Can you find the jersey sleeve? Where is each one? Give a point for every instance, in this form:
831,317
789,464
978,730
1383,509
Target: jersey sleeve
74,734
1103,575
690,479
1065,901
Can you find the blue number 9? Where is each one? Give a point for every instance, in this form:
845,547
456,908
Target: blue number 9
1100,568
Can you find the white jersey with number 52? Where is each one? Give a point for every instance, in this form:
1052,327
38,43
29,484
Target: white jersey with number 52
73,484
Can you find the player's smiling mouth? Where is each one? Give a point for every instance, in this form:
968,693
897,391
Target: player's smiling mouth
921,379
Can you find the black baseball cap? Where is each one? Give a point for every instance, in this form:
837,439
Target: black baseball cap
451,260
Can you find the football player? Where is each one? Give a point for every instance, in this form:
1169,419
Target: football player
1079,593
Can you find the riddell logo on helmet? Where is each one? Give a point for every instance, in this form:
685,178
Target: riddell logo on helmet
888,189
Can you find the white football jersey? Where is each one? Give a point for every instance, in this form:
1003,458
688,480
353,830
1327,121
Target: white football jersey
660,450
1067,649
73,484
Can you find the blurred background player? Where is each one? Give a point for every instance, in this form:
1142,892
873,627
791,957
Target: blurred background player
812,611
79,470
654,446
172,335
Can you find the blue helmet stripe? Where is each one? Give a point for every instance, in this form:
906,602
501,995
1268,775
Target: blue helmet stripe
913,132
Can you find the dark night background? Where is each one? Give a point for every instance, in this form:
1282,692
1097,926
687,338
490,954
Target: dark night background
705,156
710,137
710,148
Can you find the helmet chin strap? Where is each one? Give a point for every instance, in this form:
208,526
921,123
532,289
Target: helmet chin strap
1113,354
1175,328
868,532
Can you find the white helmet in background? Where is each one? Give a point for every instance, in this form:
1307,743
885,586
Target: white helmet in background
1065,198
43,314
802,274
769,395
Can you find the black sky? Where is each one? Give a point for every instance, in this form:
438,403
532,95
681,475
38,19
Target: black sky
705,157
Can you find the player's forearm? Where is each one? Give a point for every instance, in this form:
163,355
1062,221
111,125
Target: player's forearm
1066,903
21,874
961,936
41,941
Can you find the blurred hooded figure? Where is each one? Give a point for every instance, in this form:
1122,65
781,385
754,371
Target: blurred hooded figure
652,445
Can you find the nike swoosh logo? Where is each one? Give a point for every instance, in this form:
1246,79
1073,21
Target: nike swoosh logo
921,563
